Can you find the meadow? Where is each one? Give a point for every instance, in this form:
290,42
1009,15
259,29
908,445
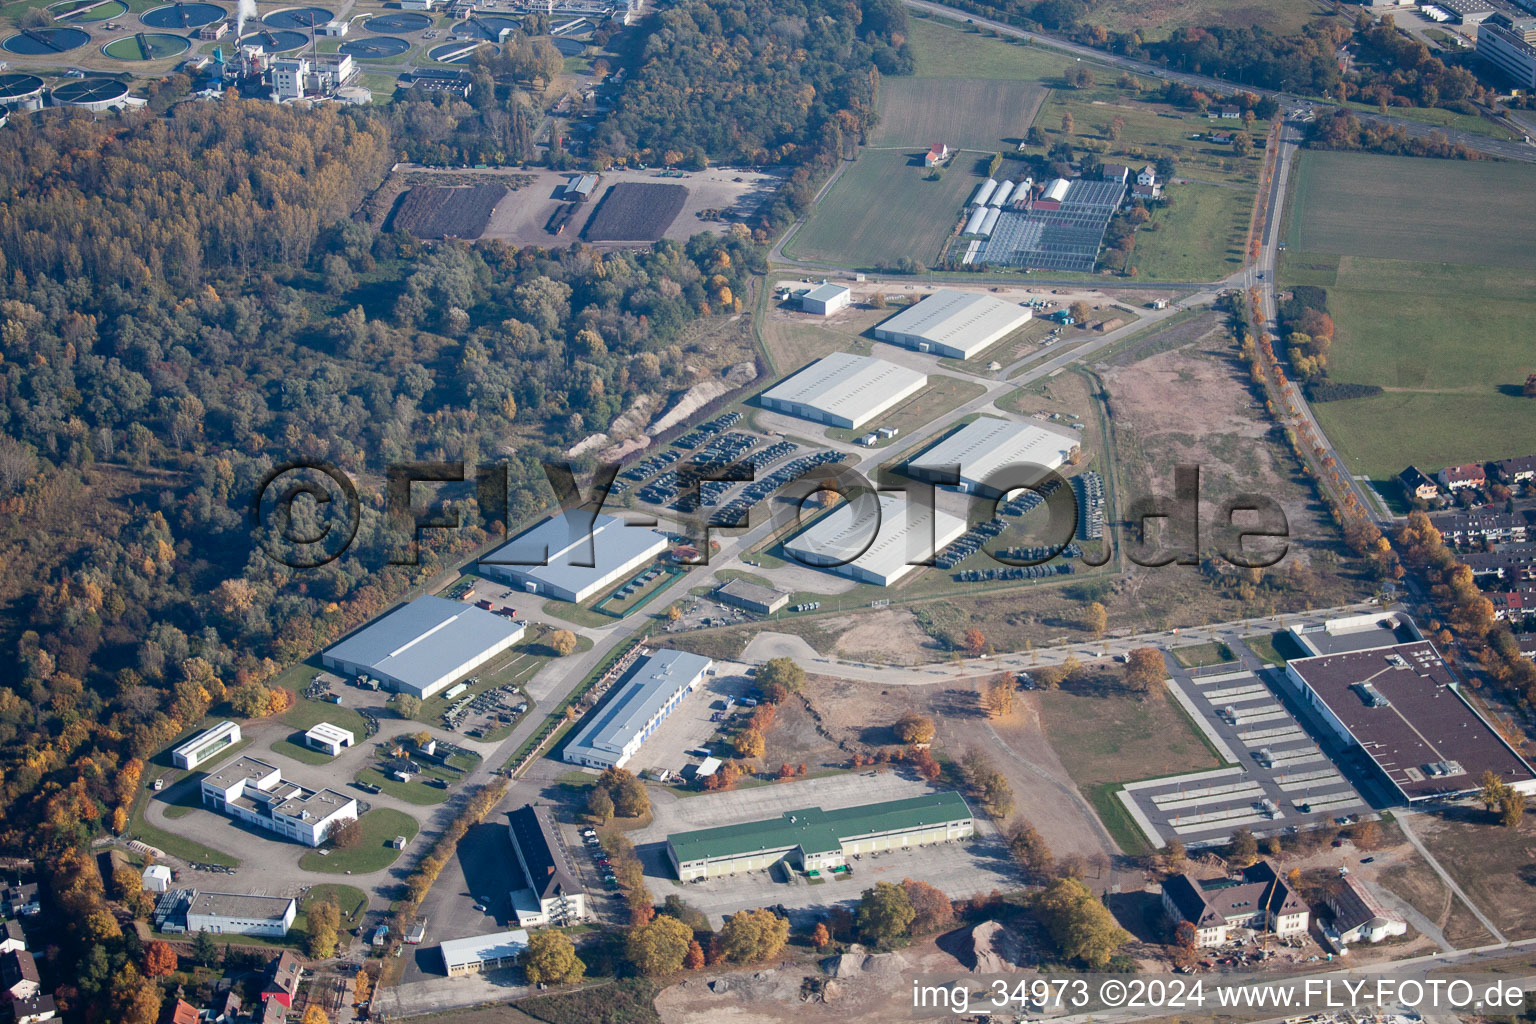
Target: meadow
916,113
1443,327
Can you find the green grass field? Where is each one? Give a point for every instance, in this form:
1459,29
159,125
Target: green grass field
373,852
918,112
1158,19
943,48
1447,339
882,208
1199,239
1401,208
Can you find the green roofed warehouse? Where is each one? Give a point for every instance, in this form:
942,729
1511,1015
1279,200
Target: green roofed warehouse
812,839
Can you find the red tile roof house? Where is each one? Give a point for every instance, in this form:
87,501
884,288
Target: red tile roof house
283,980
1454,478
937,155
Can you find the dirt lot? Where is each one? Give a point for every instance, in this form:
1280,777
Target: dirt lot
635,211
429,211
889,636
1495,866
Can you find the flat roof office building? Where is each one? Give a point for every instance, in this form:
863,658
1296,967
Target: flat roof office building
572,557
844,390
812,839
482,952
422,647
646,694
754,597
987,446
953,323
255,792
205,745
883,546
225,913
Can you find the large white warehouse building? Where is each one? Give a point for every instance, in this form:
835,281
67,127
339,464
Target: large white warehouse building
422,647
844,390
989,445
580,556
904,534
954,323
646,694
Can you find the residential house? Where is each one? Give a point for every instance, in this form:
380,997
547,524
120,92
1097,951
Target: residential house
1147,175
1115,172
1222,138
1140,191
225,1008
12,937
1358,915
1517,470
1417,485
21,899
1474,529
178,1011
38,1008
1456,478
18,974
1512,606
1231,113
1509,562
936,155
282,980
1257,898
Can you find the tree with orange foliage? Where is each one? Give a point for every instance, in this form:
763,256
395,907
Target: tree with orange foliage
974,642
820,937
159,959
694,958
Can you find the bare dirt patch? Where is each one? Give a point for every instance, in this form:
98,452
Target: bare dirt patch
635,211
1495,866
889,636
462,211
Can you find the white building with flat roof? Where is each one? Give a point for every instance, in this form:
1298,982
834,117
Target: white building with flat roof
205,745
227,913
826,299
988,445
422,647
844,390
574,556
649,691
253,791
329,739
953,323
884,542
483,952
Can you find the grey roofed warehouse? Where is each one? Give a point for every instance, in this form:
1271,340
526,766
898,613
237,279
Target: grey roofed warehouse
844,390
888,540
648,692
989,445
581,554
953,323
421,647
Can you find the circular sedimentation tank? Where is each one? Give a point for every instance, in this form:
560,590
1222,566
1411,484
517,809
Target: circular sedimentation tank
568,47
298,17
398,22
81,10
446,52
183,16
275,42
377,48
90,92
147,46
15,88
40,42
487,28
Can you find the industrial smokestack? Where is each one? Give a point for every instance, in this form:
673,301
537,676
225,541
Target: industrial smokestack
245,10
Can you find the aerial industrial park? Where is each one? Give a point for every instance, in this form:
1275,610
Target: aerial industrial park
669,512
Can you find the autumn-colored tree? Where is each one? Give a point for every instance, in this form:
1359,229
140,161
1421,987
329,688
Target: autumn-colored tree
659,947
779,677
752,936
346,833
749,743
1366,835
694,958
550,959
1511,808
313,1014
362,988
1096,620
820,937
324,919
1079,312
932,910
999,698
1144,669
599,805
914,728
1081,926
1030,850
563,642
159,959
974,641
885,915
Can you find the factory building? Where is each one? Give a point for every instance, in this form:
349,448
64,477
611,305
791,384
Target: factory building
573,556
646,694
826,299
315,74
205,745
552,894
988,445
1401,707
1509,44
226,913
482,952
954,323
813,840
422,647
844,390
255,792
874,542
752,597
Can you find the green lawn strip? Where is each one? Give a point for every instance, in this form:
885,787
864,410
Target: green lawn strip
1203,655
290,748
416,791
177,846
1275,648
1117,821
374,851
350,900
